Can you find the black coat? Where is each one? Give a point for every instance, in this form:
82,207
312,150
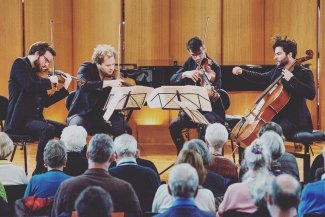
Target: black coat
27,96
89,95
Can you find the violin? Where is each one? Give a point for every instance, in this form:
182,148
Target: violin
61,76
117,75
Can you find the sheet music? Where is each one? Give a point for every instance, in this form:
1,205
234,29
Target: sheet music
193,113
115,97
163,97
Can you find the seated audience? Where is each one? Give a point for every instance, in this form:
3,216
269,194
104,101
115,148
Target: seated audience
313,198
320,172
9,173
140,161
144,180
46,184
99,156
214,182
238,197
204,199
94,201
74,137
183,185
216,136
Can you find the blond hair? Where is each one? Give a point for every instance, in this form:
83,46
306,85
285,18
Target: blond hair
101,51
6,146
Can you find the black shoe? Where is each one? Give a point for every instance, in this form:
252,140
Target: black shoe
39,170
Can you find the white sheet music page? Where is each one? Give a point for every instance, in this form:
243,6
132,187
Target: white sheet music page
163,97
114,97
138,95
193,113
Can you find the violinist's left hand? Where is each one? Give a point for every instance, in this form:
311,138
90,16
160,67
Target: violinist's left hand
287,74
67,80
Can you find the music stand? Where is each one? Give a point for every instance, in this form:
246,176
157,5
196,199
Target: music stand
125,98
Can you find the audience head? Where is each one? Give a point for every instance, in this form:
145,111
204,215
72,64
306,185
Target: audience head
125,145
200,147
94,201
100,148
284,193
55,154
195,160
216,135
74,137
271,126
273,143
183,181
6,146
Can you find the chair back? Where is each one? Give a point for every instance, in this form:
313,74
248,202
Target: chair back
14,192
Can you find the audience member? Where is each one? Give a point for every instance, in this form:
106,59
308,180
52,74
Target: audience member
204,199
99,155
94,201
9,173
46,184
183,185
213,181
144,180
216,136
320,172
282,198
75,139
313,198
237,197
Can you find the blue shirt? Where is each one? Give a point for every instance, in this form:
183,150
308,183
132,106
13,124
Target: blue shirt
45,185
312,199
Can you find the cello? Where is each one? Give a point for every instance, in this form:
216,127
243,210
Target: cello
271,101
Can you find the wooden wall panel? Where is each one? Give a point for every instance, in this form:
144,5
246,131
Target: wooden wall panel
297,20
188,19
94,22
38,14
322,66
11,42
147,32
243,32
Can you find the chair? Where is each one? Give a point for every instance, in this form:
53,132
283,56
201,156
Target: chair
14,192
307,139
18,139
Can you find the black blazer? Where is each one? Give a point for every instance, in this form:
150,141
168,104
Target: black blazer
87,95
27,96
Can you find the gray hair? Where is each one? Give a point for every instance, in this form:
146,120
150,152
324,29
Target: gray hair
100,148
55,154
200,147
6,146
216,135
274,143
259,187
74,138
285,191
183,181
271,126
125,145
94,201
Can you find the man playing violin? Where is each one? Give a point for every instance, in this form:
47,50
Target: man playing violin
28,96
87,106
190,74
295,116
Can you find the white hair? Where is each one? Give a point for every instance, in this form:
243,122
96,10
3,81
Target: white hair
125,145
6,146
216,135
273,143
183,181
74,137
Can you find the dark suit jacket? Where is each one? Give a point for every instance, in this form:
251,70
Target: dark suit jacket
122,193
88,95
141,162
27,96
301,86
76,164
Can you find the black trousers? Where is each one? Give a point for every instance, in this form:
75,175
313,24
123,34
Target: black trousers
183,121
94,123
44,130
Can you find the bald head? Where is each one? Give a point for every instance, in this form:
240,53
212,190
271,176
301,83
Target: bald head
285,192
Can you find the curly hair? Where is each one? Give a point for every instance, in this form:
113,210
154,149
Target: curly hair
286,44
41,47
101,51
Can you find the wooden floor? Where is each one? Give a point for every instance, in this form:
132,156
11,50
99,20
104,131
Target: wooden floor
162,155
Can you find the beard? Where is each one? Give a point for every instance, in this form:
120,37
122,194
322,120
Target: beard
284,62
38,66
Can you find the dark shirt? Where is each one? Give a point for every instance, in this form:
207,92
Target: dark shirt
76,164
216,183
141,162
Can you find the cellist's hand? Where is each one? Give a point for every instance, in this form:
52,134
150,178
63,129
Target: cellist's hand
194,75
237,70
112,83
287,75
